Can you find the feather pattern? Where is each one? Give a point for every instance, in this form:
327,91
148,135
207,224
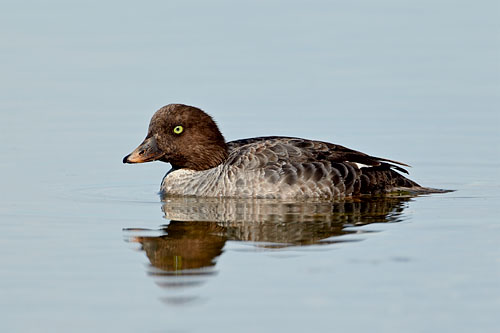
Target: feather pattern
287,167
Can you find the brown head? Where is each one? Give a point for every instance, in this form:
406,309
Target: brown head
183,136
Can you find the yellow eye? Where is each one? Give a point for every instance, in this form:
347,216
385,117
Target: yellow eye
178,129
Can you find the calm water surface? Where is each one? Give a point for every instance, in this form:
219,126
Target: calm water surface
87,243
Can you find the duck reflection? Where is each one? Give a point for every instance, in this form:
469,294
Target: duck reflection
189,245
281,224
184,246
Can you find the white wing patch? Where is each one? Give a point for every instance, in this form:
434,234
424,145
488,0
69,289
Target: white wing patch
361,165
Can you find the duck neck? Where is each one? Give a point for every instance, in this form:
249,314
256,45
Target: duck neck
204,157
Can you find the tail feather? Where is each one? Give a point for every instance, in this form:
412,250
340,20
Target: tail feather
420,190
385,180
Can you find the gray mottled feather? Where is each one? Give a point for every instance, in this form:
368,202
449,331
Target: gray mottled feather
283,167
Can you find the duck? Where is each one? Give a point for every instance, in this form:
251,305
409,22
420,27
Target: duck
272,167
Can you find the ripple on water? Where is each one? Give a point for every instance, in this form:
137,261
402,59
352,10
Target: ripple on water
115,193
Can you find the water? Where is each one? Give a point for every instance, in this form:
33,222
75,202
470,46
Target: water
87,243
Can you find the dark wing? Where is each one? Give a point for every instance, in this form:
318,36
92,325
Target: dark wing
262,151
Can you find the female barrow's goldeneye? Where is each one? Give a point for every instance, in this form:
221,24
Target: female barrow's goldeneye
204,164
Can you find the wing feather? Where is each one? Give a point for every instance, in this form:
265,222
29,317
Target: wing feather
262,151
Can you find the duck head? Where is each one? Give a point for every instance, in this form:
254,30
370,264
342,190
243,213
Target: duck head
184,136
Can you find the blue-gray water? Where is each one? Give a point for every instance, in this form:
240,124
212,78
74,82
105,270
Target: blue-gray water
86,243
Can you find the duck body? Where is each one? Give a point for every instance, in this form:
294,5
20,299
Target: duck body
285,167
203,164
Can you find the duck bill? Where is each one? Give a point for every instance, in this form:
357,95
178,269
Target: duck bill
146,152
